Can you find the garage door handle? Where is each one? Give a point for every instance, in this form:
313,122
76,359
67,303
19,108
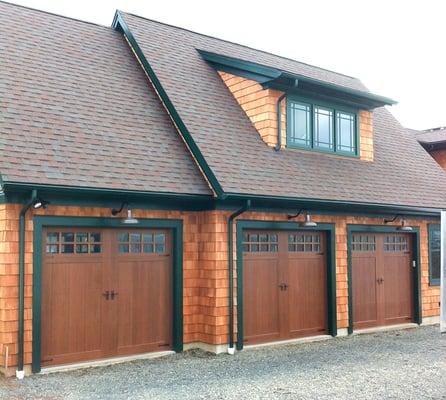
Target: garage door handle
106,294
113,294
283,286
380,280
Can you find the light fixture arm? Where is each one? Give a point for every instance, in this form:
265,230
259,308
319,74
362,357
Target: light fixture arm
292,216
116,211
392,219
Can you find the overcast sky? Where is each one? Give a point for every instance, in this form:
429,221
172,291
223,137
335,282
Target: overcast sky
397,48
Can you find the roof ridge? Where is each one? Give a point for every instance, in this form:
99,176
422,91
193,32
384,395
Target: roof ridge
54,14
239,44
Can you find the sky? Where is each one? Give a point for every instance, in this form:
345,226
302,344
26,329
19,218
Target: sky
396,48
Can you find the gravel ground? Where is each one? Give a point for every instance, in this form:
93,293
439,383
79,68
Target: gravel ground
409,364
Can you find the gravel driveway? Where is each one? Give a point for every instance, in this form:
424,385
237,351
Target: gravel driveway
409,364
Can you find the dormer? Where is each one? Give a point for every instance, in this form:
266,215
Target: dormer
314,115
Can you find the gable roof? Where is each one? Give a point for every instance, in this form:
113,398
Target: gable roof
76,109
402,173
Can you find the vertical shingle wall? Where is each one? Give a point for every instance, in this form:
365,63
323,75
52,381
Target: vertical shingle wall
440,157
260,105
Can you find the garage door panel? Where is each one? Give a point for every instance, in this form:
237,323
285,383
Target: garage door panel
71,310
261,299
398,290
144,313
307,279
365,312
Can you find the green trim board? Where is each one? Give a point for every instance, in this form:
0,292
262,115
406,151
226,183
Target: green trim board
120,25
39,222
433,230
312,103
18,193
284,80
329,229
352,228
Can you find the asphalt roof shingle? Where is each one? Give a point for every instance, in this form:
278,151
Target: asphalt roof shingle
402,173
76,109
431,136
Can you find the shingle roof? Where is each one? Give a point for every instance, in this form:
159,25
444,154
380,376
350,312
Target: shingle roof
431,136
76,109
402,173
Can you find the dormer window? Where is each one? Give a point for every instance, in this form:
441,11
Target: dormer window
322,127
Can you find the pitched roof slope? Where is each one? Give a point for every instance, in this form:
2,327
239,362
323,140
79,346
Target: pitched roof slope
431,136
77,110
402,173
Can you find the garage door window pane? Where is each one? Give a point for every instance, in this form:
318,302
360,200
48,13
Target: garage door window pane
135,248
68,248
82,237
52,248
52,237
396,243
123,248
95,237
82,248
298,242
263,242
95,248
363,242
148,248
123,237
135,238
67,237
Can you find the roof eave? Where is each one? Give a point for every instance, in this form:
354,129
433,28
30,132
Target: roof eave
289,82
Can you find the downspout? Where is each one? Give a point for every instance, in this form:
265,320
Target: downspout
279,117
240,211
279,122
20,373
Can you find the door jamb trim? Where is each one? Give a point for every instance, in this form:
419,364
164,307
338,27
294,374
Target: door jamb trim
328,228
355,228
40,222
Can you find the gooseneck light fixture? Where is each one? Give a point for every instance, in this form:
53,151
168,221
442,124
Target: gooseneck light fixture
40,203
308,223
403,227
129,220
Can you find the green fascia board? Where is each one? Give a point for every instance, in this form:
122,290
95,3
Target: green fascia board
39,222
235,64
334,205
329,228
352,228
120,25
97,197
286,80
16,192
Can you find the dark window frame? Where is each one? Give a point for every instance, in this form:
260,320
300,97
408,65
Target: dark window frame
335,108
431,229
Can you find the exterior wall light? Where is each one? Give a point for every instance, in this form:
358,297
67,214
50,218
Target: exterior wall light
308,223
403,227
130,219
39,203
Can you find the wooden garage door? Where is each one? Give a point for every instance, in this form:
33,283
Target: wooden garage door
382,279
105,293
284,285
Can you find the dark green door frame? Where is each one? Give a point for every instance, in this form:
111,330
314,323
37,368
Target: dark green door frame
329,229
416,271
40,222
